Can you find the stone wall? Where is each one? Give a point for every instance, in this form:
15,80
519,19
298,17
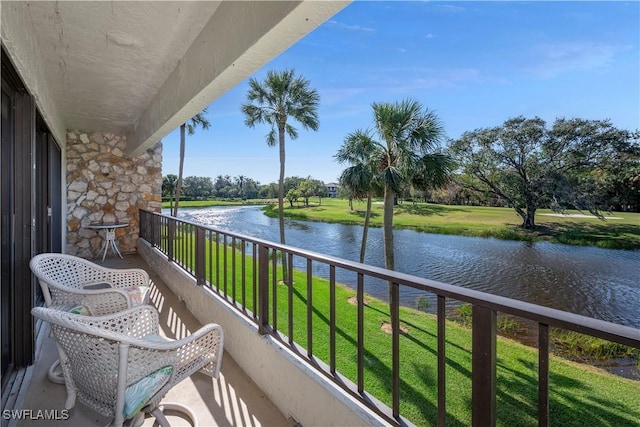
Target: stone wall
103,185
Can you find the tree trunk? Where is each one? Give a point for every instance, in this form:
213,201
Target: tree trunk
180,168
365,230
529,221
285,271
389,258
528,217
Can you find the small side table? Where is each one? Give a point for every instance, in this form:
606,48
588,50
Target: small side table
109,236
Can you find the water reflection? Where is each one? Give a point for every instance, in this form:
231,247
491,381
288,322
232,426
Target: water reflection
590,281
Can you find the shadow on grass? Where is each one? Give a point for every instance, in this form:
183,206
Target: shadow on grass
604,234
409,395
428,210
572,401
415,327
362,214
566,407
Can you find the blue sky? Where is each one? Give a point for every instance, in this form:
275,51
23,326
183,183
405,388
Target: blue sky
474,63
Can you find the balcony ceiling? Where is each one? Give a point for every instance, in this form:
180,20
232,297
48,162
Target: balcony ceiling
143,68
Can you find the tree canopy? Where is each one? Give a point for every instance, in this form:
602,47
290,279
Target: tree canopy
530,166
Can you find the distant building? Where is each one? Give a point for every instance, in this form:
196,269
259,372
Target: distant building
332,189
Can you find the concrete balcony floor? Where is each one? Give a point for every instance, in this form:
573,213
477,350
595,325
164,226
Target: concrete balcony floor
231,400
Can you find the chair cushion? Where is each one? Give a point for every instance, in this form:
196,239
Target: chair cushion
138,394
139,294
80,309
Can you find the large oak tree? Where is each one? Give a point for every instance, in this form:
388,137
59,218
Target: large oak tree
530,166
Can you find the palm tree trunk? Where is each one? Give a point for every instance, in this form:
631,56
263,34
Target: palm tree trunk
389,259
180,169
285,271
365,230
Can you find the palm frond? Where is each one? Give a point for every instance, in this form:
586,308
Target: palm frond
279,97
271,137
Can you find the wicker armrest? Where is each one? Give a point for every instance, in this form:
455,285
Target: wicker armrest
99,302
135,322
202,350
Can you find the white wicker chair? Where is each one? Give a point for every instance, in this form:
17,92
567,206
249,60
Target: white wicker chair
68,281
119,366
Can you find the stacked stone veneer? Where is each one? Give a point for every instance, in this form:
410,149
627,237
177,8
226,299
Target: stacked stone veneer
103,185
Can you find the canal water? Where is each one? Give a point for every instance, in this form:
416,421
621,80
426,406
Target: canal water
600,283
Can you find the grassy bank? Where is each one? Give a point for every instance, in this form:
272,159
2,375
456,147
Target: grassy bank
502,223
579,395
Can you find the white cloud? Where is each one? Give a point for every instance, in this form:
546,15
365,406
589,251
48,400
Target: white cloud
353,27
450,8
427,78
552,60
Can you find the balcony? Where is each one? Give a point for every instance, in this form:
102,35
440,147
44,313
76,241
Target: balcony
231,400
208,275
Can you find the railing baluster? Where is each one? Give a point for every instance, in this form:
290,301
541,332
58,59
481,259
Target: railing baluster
289,267
442,363
224,267
210,247
188,244
332,318
309,309
244,275
263,296
360,300
233,270
543,375
290,305
395,349
200,256
274,285
255,279
483,371
217,262
171,235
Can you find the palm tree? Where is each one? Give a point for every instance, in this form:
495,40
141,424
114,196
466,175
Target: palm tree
169,188
279,97
360,177
190,126
406,154
240,181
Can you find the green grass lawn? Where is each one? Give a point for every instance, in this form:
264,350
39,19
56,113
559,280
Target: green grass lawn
501,223
579,395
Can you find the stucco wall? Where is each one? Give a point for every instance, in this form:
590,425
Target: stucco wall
296,389
103,185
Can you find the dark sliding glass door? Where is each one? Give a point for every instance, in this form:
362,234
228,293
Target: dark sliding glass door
6,168
30,213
